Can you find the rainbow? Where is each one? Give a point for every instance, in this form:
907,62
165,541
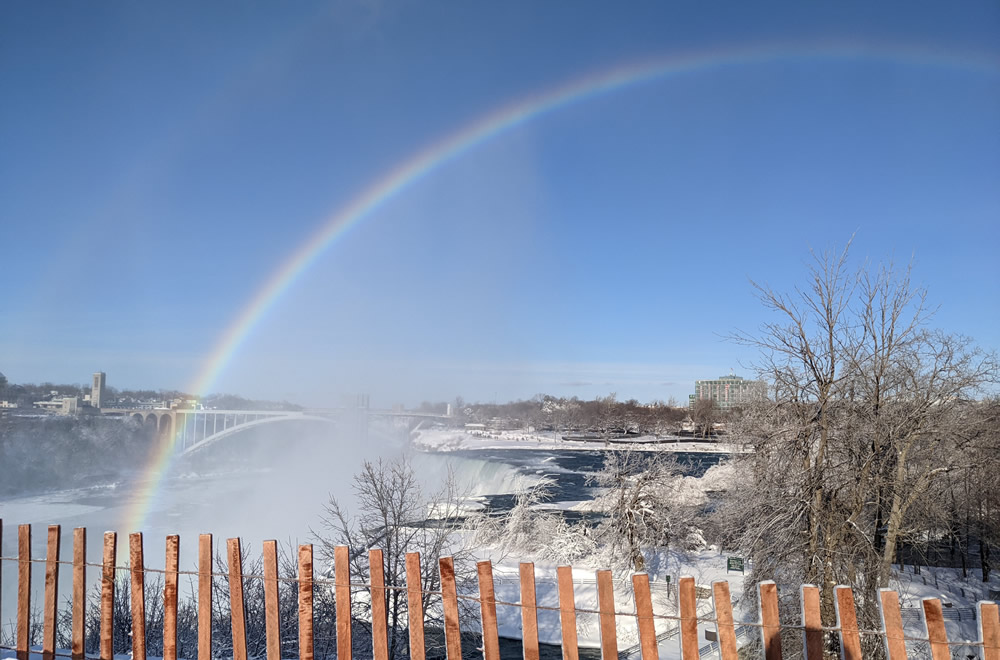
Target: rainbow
422,164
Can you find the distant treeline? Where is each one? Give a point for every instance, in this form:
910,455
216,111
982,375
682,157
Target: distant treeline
601,415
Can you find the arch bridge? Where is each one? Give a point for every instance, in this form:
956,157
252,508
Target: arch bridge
193,429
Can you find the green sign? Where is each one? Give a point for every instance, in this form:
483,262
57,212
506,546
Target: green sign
734,564
668,579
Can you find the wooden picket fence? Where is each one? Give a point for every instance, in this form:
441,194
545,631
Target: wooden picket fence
768,627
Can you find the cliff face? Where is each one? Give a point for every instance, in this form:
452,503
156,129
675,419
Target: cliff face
39,454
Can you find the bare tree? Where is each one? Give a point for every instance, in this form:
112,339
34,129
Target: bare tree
870,408
395,515
705,415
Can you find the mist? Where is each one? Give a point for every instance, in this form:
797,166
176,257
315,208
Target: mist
270,482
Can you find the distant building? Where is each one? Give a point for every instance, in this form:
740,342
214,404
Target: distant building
67,405
8,404
97,391
728,391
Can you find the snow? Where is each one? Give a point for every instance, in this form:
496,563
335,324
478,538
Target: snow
706,567
444,439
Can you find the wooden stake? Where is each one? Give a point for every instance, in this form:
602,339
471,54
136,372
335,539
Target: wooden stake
449,598
23,591
812,622
989,630
51,593
380,639
306,601
237,606
170,577
108,596
723,605
644,617
79,592
272,617
488,611
847,621
415,606
567,613
936,633
342,576
529,612
689,618
138,596
771,625
606,606
892,624
205,597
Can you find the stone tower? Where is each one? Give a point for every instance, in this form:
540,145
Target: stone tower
97,391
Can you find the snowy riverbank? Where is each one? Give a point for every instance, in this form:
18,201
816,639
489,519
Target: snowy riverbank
445,439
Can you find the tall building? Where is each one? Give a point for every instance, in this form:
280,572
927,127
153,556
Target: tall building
97,391
728,391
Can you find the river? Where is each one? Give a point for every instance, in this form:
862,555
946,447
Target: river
274,486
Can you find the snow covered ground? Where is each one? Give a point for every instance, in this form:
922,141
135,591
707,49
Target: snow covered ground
706,567
444,439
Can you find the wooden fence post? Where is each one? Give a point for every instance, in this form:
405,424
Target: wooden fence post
415,605
380,637
108,596
449,598
488,611
272,617
770,623
567,613
79,592
934,620
847,621
812,622
689,618
205,597
606,606
892,624
989,630
170,577
306,601
51,592
138,600
237,606
23,591
529,611
644,617
722,602
342,578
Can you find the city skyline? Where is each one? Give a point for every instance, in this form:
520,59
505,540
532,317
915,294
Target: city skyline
602,241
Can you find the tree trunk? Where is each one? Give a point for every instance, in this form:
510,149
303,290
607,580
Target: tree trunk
891,538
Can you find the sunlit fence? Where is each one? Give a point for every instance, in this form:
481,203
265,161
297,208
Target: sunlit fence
764,635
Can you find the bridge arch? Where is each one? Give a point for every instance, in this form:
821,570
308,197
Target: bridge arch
274,419
166,424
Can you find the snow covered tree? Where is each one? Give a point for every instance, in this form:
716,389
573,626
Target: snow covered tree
526,530
644,505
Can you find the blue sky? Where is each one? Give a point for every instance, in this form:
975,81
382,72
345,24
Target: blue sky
158,163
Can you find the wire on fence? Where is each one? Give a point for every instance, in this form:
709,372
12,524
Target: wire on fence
687,618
